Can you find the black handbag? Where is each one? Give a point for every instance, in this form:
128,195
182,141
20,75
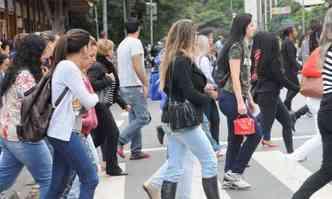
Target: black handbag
181,115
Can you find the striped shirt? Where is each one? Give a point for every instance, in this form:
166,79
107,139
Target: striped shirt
327,72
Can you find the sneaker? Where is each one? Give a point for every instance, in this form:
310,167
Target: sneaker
296,158
235,181
152,191
120,152
139,156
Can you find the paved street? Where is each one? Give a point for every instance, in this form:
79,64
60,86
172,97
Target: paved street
271,175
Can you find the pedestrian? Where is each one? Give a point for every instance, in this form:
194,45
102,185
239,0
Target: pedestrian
290,64
235,100
70,155
134,90
181,80
324,175
212,124
270,80
22,75
104,77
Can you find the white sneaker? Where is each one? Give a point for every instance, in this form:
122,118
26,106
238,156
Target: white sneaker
296,158
235,181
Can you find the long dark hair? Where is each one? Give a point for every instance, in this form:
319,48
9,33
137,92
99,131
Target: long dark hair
314,37
27,57
237,34
72,42
267,45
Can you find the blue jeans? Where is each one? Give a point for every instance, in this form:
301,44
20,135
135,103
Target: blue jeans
239,152
35,156
196,141
139,116
68,157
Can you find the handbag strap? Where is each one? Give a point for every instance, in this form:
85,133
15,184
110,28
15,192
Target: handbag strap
64,92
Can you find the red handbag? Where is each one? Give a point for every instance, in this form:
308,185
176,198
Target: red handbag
244,125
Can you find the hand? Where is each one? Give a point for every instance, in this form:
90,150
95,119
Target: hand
209,86
111,76
128,108
241,108
145,91
252,106
213,94
44,70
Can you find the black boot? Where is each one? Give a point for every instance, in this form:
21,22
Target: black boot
168,190
160,134
210,186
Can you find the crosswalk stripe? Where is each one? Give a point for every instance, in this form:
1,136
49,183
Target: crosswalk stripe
111,187
288,172
197,189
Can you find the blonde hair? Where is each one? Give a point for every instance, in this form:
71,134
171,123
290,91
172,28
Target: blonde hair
104,46
180,39
326,36
202,45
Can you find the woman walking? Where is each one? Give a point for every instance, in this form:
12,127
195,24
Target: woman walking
20,77
183,81
235,100
270,80
103,75
70,154
324,175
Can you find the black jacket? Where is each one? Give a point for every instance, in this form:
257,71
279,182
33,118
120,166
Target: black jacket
187,82
272,78
97,75
289,53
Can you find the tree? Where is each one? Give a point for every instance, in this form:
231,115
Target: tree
57,17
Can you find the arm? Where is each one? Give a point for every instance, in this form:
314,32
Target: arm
120,101
97,80
182,78
291,55
74,81
279,76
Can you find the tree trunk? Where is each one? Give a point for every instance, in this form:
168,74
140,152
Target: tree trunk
48,11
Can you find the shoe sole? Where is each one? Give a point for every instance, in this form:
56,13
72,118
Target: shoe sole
147,192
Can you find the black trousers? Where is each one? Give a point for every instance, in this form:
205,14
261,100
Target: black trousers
291,93
324,175
106,135
212,113
272,108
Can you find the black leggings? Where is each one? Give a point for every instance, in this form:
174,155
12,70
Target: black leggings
272,108
291,93
324,175
106,135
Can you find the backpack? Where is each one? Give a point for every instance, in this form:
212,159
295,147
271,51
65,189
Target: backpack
37,110
221,71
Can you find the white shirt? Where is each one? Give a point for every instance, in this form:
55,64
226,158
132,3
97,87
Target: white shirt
68,74
205,65
128,48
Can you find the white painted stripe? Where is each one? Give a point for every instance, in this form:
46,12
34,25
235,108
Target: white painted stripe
302,137
111,186
288,172
197,188
119,123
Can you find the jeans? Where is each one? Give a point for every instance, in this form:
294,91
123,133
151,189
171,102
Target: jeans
206,129
196,141
239,151
139,116
72,190
35,156
324,175
185,184
212,114
272,108
72,157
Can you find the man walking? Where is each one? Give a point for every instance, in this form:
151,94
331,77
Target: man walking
134,89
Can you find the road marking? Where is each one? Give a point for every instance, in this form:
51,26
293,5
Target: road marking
302,137
111,186
288,172
197,188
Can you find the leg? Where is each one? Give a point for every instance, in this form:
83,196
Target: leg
290,93
284,118
324,175
10,167
212,114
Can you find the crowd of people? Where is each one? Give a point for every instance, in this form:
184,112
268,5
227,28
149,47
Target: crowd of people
240,76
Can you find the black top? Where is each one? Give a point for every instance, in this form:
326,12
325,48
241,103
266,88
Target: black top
188,82
289,52
273,79
99,80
